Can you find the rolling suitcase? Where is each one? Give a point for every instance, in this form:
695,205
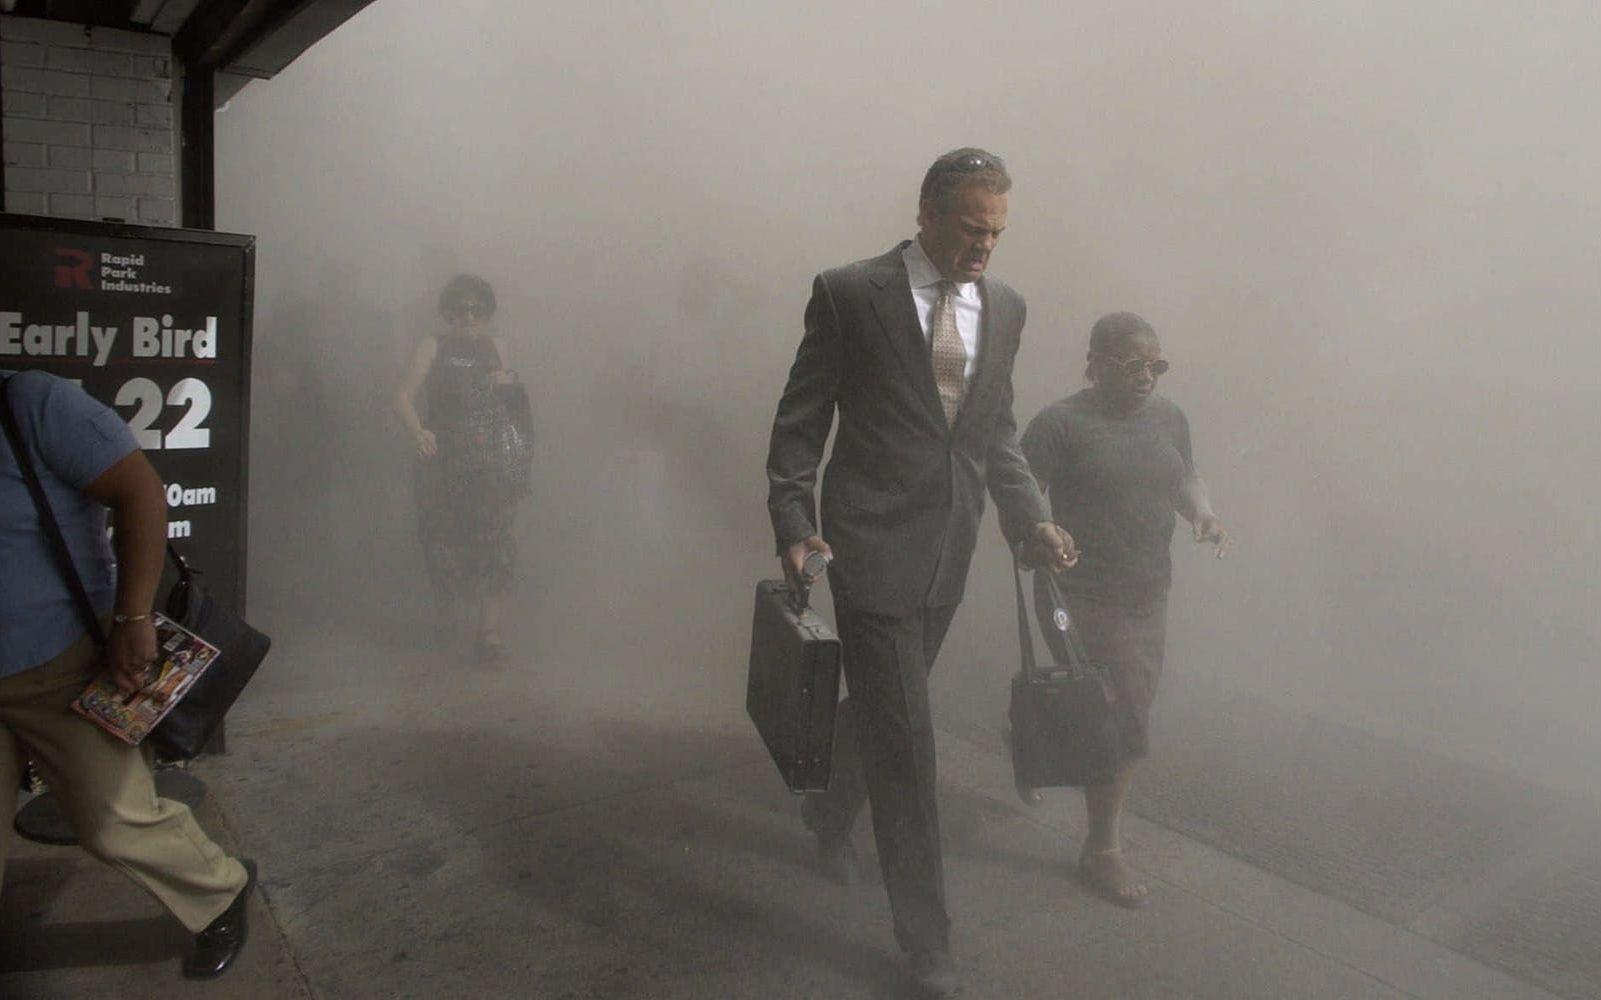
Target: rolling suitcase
793,689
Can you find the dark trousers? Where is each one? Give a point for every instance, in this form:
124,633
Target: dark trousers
884,754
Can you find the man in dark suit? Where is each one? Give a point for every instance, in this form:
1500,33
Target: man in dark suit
914,350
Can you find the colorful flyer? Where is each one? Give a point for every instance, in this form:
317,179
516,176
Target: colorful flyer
181,657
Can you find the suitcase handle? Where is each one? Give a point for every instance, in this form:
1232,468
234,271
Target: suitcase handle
800,597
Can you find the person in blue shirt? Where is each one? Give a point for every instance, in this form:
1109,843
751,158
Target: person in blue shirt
88,462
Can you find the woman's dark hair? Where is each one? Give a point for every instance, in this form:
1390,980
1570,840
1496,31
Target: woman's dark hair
460,289
1110,333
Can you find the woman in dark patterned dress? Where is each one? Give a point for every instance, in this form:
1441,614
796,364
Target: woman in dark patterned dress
1115,460
464,515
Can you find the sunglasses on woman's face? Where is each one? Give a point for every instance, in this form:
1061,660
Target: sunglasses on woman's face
1134,367
470,307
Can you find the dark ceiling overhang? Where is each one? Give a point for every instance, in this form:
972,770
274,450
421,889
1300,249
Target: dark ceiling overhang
248,39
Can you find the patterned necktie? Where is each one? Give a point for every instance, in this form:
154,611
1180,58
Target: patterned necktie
950,354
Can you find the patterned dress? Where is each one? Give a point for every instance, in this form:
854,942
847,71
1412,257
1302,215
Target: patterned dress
464,519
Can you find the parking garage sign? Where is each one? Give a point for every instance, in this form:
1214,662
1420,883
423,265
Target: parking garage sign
156,324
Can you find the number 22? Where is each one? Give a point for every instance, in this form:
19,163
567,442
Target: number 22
189,392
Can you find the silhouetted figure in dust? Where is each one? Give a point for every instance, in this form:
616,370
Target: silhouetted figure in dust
464,508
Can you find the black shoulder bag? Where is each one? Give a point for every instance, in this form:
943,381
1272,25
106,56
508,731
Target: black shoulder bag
1063,728
190,723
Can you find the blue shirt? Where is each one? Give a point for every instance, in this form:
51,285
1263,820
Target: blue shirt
72,439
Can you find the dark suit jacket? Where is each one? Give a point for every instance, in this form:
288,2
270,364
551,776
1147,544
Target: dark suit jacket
903,491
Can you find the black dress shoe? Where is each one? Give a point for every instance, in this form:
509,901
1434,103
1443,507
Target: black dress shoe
935,975
836,856
220,943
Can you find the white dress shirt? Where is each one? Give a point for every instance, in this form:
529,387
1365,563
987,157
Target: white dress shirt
925,279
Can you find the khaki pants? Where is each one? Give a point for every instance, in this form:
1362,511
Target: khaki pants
108,793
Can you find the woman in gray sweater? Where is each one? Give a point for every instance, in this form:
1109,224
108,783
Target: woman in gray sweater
1115,460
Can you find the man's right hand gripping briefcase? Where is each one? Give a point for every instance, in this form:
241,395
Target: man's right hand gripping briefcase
793,690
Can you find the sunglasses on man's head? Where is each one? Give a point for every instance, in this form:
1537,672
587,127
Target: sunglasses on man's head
1133,367
973,162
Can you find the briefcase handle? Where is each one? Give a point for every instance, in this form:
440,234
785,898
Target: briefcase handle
1077,657
814,566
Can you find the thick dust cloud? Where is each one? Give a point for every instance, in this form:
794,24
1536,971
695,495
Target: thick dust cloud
1367,236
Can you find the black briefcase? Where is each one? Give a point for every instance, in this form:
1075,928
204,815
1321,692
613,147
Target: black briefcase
793,691
1064,730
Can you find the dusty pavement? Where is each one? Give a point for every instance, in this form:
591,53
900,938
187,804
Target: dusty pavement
555,828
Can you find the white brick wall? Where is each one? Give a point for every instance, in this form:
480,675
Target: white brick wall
88,129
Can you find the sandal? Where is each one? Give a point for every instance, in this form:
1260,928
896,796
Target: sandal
1110,878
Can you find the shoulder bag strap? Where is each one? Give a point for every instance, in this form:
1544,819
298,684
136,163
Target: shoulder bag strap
185,584
1077,656
1025,638
47,519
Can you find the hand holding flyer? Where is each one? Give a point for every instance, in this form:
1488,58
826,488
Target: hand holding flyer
181,657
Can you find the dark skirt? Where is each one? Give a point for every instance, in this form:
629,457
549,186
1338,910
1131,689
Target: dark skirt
1128,641
465,525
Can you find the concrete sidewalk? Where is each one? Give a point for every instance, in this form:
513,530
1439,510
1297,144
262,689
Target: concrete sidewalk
74,928
536,831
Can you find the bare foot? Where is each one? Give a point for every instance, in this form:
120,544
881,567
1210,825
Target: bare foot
1105,872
